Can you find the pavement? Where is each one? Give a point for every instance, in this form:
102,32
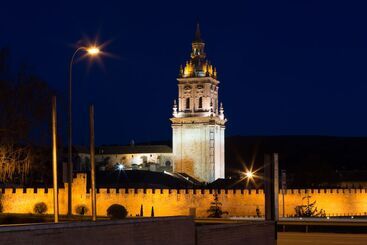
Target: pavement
298,238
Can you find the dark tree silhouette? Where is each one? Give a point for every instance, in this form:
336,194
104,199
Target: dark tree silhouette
215,210
24,119
117,211
309,209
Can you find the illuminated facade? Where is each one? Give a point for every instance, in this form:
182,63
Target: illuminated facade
131,157
198,122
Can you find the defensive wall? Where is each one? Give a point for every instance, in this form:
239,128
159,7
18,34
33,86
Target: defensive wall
172,202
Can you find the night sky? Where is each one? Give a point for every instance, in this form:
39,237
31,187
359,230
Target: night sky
290,68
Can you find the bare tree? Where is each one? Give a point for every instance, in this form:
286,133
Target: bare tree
24,118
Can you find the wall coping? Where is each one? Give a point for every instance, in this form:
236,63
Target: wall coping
70,225
194,191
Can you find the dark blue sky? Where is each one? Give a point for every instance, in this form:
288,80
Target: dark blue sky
296,67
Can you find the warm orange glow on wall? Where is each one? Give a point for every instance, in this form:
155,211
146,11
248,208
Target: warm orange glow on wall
178,202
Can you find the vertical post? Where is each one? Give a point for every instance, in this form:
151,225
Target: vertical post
70,138
54,160
92,162
70,153
284,187
275,172
271,188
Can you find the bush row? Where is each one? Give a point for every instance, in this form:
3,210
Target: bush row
115,211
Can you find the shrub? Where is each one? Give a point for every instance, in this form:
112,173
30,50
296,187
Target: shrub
81,209
215,210
40,208
117,211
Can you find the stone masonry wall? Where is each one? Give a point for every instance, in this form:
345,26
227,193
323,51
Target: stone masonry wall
171,202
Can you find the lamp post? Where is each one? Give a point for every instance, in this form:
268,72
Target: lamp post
92,163
249,174
54,160
271,188
92,51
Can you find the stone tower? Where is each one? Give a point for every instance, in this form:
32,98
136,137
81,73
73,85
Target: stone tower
198,123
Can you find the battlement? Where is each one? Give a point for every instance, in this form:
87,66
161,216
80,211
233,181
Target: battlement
194,191
166,202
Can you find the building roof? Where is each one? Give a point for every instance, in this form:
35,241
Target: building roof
234,183
133,149
139,179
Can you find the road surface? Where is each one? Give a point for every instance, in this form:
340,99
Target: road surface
292,238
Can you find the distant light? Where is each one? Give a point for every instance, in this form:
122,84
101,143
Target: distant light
120,167
93,50
249,174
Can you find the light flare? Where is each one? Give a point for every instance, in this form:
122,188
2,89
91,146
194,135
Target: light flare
93,50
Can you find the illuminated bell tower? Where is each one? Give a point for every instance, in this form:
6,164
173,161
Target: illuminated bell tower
198,122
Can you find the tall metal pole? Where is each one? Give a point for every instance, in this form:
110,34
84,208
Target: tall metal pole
284,187
70,156
271,188
92,162
54,159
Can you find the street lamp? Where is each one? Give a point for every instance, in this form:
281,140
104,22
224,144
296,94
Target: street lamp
249,174
91,51
120,167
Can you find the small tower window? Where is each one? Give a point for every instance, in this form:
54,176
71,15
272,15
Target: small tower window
201,102
187,103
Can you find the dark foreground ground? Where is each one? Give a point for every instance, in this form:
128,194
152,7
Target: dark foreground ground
178,230
291,238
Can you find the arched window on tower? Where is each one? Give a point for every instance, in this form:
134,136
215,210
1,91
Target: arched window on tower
187,103
200,102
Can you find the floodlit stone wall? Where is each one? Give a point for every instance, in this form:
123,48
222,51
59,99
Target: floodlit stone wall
199,150
171,202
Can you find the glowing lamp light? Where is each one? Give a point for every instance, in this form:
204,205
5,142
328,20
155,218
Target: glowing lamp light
249,174
93,50
120,167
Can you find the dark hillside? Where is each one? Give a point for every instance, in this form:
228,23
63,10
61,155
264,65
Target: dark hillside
309,160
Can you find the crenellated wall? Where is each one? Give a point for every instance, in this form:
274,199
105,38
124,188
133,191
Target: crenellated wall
169,202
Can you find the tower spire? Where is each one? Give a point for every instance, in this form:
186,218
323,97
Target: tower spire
198,34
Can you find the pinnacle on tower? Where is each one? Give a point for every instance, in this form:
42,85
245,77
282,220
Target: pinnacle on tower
221,111
198,34
174,109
